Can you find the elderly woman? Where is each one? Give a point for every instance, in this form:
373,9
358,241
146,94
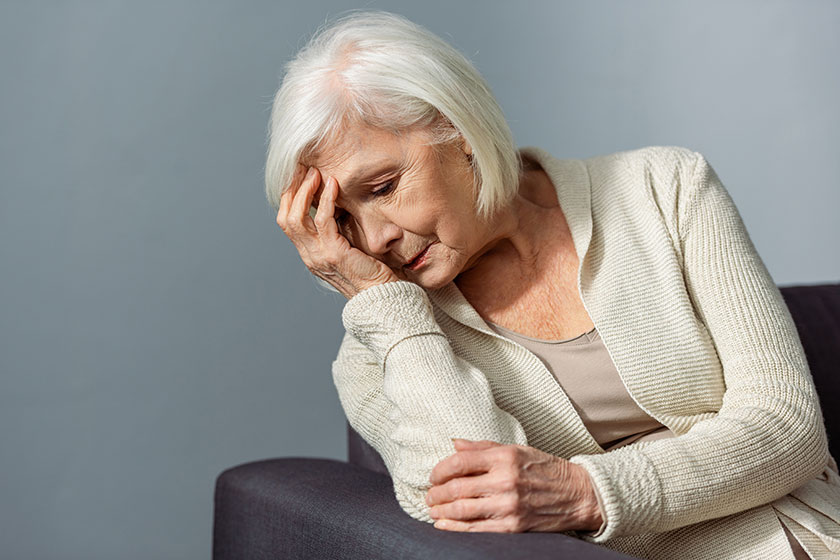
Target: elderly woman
600,334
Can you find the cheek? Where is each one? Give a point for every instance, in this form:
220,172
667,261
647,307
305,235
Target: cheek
425,223
456,231
417,216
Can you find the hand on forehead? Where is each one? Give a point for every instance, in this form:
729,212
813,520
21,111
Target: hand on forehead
362,150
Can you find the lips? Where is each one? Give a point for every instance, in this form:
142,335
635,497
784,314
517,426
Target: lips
417,256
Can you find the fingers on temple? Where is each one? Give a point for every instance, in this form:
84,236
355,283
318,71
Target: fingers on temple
324,217
299,213
289,194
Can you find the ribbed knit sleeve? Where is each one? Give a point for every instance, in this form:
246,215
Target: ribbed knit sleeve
768,437
406,393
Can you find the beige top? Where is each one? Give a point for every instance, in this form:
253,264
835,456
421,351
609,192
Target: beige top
585,372
716,358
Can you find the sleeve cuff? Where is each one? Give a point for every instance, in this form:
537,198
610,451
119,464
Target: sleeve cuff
602,528
628,491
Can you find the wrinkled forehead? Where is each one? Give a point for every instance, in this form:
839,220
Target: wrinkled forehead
337,150
354,150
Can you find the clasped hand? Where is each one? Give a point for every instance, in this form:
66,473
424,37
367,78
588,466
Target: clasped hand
489,487
324,250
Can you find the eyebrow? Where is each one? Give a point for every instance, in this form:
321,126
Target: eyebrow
364,175
368,172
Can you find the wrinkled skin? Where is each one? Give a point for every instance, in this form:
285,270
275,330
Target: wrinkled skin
489,487
409,196
363,234
324,250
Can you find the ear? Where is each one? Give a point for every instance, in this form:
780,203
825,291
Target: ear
465,145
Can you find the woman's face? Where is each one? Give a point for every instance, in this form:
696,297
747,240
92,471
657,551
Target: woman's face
397,197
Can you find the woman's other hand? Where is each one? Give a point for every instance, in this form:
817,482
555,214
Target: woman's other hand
324,250
489,487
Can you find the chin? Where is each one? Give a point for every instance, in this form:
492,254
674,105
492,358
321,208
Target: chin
430,285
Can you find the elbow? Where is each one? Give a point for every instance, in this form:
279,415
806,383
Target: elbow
788,431
412,500
820,453
807,453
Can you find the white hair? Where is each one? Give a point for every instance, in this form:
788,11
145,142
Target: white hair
380,69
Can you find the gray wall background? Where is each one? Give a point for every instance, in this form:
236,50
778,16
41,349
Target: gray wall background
156,325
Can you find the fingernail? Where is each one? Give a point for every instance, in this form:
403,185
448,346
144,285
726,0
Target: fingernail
310,172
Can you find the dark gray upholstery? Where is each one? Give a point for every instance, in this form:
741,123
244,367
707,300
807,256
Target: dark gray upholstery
321,508
816,312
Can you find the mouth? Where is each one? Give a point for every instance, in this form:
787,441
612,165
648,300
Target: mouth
418,260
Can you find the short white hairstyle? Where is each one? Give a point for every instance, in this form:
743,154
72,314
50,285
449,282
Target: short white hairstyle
380,69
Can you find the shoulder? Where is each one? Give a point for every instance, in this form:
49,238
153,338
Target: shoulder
665,174
656,183
668,160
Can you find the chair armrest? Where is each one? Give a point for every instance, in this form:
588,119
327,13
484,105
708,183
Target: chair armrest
321,508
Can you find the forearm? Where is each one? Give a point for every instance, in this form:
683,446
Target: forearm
767,438
406,392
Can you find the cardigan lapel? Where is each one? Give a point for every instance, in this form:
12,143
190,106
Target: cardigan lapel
571,180
569,435
620,266
617,266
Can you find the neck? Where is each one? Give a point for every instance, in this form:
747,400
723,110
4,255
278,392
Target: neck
517,238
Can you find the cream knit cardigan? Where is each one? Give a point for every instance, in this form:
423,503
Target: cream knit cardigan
699,334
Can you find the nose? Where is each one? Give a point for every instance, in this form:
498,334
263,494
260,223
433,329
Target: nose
380,233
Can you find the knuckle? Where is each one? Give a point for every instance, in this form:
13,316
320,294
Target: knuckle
516,524
511,504
515,477
434,473
456,486
510,455
457,463
432,496
508,484
458,510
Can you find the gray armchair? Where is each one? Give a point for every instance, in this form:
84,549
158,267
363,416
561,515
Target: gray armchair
300,507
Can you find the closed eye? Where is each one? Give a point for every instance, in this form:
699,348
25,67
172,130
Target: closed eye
342,216
385,189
